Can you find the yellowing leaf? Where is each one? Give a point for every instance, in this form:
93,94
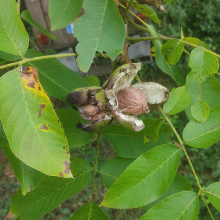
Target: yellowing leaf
32,128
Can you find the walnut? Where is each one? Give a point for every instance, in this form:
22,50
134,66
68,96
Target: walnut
131,101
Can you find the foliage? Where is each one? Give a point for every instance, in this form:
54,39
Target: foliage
143,174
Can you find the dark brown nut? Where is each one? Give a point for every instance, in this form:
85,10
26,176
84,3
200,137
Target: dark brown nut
131,101
90,112
77,97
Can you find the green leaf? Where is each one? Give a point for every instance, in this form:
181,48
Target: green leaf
179,184
130,144
69,118
50,193
202,64
92,80
213,194
14,38
100,29
3,138
170,69
139,184
63,13
182,205
200,111
147,11
179,100
9,57
208,91
172,51
112,169
200,135
31,125
28,177
27,17
56,79
193,40
152,128
89,211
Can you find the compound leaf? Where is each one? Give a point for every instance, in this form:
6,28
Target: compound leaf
33,130
139,185
100,29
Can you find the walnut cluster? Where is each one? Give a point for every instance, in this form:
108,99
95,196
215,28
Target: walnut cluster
117,99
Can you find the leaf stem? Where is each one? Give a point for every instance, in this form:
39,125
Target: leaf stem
187,156
95,167
126,11
47,57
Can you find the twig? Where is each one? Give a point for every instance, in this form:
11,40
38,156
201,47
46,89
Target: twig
124,16
46,57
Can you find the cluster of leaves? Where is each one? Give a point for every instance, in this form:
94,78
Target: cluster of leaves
36,139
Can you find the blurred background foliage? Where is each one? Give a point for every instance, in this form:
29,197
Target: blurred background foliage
199,19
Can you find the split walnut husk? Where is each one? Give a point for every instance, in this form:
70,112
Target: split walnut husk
117,99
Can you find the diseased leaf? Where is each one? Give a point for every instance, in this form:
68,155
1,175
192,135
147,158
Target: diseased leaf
14,38
92,80
202,64
179,184
172,51
112,169
209,91
213,194
130,144
100,29
200,111
170,69
56,79
51,192
200,135
139,184
63,13
69,118
31,125
179,99
89,211
27,17
182,205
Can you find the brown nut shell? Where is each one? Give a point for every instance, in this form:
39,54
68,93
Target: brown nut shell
90,112
131,101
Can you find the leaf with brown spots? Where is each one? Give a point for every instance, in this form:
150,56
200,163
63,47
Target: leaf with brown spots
31,124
